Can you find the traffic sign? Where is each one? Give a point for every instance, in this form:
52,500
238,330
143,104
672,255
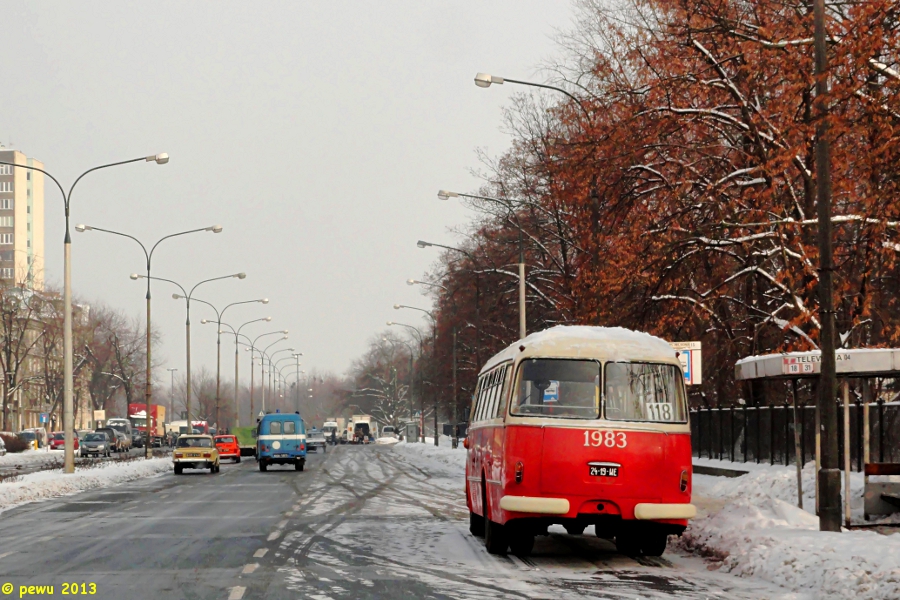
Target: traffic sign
690,355
45,418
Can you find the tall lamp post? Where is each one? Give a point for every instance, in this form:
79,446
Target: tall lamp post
218,322
186,296
251,348
421,376
446,195
172,392
237,333
148,395
411,379
273,364
829,475
434,354
68,352
263,354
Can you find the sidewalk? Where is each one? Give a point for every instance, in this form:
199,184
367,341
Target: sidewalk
751,526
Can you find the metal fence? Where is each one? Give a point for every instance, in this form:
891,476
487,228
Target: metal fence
765,434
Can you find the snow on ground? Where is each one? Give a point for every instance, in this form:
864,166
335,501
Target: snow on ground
751,526
442,459
387,440
50,484
31,457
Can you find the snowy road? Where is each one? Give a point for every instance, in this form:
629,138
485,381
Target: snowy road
359,522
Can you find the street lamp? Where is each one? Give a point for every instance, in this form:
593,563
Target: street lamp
186,296
262,356
68,352
237,334
484,80
251,348
148,255
274,365
218,323
427,312
428,283
446,195
422,387
171,393
411,379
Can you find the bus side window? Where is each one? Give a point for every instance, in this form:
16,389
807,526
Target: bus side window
290,427
504,391
492,399
483,397
474,407
498,387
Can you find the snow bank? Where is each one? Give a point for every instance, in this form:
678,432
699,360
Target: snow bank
751,526
31,457
50,484
387,440
437,459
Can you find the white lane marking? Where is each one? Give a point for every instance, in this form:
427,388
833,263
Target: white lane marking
163,496
273,536
289,513
6,554
237,593
281,524
258,554
249,568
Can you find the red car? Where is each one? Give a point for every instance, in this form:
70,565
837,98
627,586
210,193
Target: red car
58,441
227,446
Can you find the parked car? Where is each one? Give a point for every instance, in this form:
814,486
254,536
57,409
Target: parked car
228,447
36,434
113,436
30,438
315,440
58,442
137,438
96,444
389,431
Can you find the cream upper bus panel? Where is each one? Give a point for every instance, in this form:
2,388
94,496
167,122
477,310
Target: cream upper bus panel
580,341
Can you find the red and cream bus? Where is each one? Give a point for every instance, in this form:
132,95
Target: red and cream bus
579,426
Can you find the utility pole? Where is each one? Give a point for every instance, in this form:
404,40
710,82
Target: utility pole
455,432
829,475
172,395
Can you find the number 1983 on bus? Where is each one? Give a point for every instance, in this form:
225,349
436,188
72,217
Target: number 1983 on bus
608,439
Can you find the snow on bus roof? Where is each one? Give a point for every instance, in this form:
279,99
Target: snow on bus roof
577,341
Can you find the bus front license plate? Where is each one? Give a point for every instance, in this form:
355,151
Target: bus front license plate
604,471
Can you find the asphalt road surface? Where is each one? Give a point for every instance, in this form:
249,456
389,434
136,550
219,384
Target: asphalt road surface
359,522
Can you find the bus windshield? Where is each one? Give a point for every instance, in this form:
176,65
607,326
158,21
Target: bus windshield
558,388
644,392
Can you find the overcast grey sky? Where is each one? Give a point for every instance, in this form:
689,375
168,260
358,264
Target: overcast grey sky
316,133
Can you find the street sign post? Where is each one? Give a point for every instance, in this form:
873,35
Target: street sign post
690,355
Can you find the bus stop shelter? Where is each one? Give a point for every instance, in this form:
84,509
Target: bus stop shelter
858,363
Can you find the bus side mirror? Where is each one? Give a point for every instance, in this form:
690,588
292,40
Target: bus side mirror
253,433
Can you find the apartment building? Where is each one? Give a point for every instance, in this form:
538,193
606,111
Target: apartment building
21,221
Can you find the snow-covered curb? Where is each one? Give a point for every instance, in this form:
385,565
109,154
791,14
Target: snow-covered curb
752,525
441,459
51,484
31,457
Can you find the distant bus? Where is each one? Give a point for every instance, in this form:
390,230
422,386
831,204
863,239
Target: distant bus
281,440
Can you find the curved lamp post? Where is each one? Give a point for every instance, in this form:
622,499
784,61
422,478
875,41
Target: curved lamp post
148,395
422,387
68,352
237,333
186,296
251,347
218,322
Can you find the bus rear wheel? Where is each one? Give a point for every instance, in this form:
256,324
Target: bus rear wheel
521,542
495,537
476,525
628,543
262,466
574,528
298,465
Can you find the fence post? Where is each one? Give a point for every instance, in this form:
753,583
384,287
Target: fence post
798,443
731,433
880,430
721,432
787,435
699,432
746,441
758,430
772,434
859,441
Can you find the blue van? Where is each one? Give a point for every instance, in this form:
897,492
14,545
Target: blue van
281,440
